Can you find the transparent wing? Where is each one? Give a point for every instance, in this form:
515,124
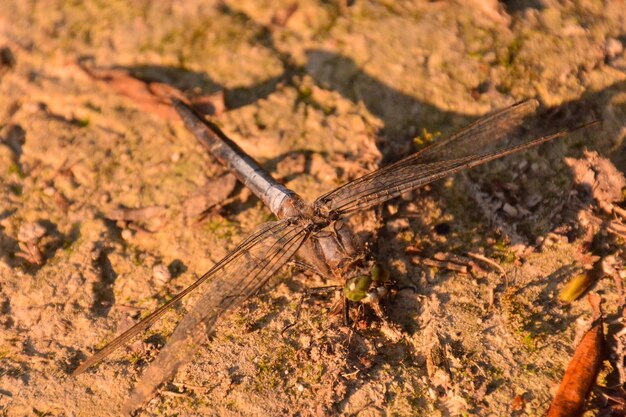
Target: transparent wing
233,279
489,138
233,282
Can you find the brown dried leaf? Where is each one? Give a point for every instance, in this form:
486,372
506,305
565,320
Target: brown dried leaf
29,251
154,97
518,403
617,228
582,369
576,287
123,83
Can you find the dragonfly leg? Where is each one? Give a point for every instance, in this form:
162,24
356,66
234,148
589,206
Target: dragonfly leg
374,300
346,311
305,294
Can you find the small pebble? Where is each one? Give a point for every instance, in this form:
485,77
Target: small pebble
127,234
305,342
49,191
510,210
613,48
161,273
105,198
300,387
533,199
522,165
175,157
30,232
397,225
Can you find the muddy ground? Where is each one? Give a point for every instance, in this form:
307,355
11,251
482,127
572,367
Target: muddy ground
320,92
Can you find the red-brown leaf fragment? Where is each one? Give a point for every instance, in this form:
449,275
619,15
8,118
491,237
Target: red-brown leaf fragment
154,97
582,369
123,83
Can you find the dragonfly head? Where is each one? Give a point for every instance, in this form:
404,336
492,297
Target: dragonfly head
370,287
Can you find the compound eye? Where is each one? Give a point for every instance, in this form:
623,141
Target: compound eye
356,288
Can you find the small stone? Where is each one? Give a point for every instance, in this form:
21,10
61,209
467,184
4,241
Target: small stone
523,165
127,234
305,341
608,265
510,210
397,225
533,199
49,191
300,387
161,273
105,198
175,157
30,232
613,48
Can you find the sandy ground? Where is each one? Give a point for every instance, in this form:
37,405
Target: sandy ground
319,93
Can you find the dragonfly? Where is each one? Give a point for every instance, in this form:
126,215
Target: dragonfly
317,232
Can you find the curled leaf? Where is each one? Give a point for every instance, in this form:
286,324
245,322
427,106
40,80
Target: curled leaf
576,287
582,369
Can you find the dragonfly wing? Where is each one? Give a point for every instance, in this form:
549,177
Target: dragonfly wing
489,138
256,238
232,282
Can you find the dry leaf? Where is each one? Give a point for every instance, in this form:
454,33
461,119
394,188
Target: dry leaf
154,97
582,369
576,287
30,253
518,403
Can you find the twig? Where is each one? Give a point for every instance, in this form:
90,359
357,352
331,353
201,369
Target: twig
488,261
441,264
